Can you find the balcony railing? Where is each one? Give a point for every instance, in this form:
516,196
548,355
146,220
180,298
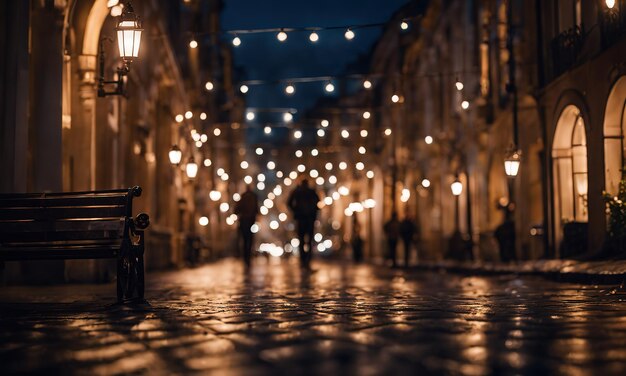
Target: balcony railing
612,25
566,48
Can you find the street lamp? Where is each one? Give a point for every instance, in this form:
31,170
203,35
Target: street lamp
512,163
129,40
456,187
175,155
191,168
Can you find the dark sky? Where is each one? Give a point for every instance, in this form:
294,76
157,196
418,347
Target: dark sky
262,57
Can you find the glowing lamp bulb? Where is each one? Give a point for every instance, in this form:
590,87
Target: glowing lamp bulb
244,89
193,43
329,87
313,37
367,84
236,41
281,36
349,34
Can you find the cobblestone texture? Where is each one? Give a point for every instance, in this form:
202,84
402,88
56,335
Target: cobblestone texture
338,320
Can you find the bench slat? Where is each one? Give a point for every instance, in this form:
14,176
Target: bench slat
62,213
8,227
31,237
100,200
37,253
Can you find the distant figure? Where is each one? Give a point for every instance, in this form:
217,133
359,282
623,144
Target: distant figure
408,231
357,243
247,209
505,235
392,231
303,204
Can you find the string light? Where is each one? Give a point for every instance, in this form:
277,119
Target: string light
271,165
203,116
203,221
364,133
297,135
345,133
395,98
360,166
425,183
315,152
332,179
287,117
247,179
244,165
366,115
281,36
301,168
610,3
204,138
458,84
328,166
243,88
259,151
324,123
188,115
329,87
428,140
387,131
321,133
343,165
313,37
267,130
465,105
250,115
370,174
207,162
198,144
404,25
217,132
179,118
208,86
298,153
362,150
193,43
290,89
367,84
236,41
349,34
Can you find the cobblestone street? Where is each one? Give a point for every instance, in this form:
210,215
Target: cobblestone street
339,319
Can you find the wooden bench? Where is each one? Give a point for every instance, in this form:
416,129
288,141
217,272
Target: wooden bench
77,225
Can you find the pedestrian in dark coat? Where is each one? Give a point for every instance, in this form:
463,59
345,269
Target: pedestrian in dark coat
392,231
408,232
247,209
303,203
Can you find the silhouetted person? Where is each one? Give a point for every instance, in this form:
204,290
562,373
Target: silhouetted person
357,243
247,209
505,235
408,232
392,231
303,203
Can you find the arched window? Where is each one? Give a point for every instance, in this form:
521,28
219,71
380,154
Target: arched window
569,155
614,129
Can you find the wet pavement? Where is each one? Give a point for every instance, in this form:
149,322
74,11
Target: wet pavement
338,320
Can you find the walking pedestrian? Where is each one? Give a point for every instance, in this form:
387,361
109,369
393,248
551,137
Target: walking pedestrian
303,203
357,243
392,231
247,209
408,232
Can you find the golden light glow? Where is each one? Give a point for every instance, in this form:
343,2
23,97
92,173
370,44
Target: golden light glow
329,87
367,84
267,130
324,123
236,41
465,105
370,174
298,153
395,98
345,133
425,183
207,162
281,36
290,89
179,118
387,131
203,221
321,133
193,43
250,115
428,140
243,89
203,116
188,115
297,135
349,34
209,86
313,37
244,165
404,25
259,151
366,115
287,117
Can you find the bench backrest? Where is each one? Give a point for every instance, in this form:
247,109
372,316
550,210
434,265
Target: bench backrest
65,219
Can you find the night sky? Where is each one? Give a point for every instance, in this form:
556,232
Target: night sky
263,57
